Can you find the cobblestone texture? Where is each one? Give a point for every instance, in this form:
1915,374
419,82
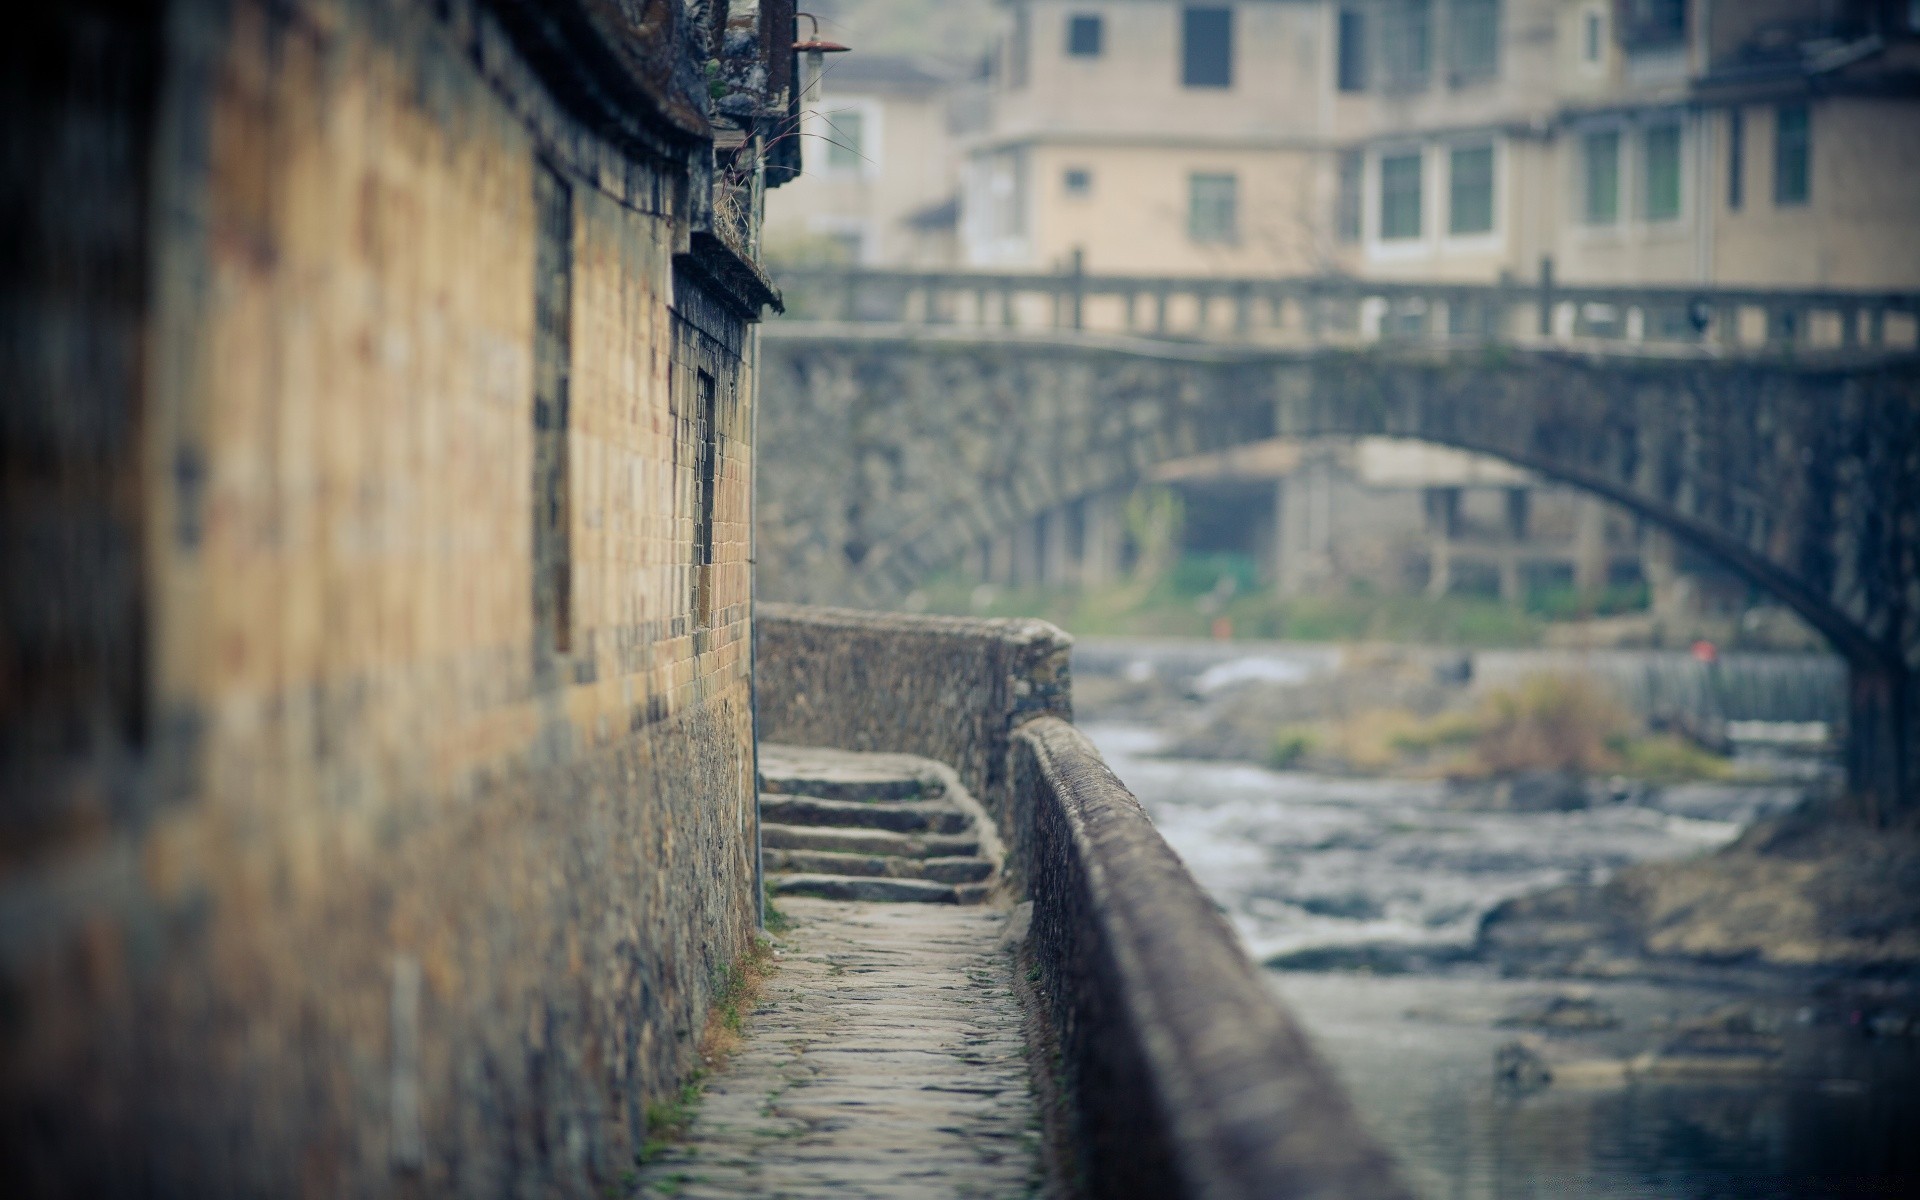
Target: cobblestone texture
886,1059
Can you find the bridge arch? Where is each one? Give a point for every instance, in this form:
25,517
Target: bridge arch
893,450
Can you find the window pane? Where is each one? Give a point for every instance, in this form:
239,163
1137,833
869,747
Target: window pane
1346,216
1207,45
1473,38
846,134
1213,208
1662,172
1353,50
1736,158
1470,190
1400,197
1078,181
1083,36
1406,44
1792,152
1601,153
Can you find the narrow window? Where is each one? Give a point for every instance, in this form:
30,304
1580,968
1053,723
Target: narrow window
1017,49
1346,214
1736,158
1473,39
707,436
1660,172
1078,181
1653,24
1084,36
552,349
1400,197
1592,35
1406,44
1792,152
1207,47
1352,50
1470,190
1600,158
847,141
1213,208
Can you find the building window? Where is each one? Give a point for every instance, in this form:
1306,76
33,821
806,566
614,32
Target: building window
1592,37
1660,172
1470,190
1652,24
1207,47
1406,44
1473,39
1078,181
1736,158
1792,155
1346,203
1213,208
1600,162
707,438
1400,197
1007,194
1084,36
847,141
1016,52
1351,47
552,482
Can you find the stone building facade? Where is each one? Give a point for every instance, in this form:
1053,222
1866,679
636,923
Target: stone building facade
375,723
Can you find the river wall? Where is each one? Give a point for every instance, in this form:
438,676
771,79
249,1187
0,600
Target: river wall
1182,1074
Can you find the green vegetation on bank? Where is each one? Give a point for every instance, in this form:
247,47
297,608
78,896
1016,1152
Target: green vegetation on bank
1209,595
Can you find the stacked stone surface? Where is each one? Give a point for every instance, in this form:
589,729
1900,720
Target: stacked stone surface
842,825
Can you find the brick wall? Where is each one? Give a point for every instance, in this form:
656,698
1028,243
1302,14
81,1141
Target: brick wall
403,849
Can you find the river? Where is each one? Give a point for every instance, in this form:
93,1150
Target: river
1308,866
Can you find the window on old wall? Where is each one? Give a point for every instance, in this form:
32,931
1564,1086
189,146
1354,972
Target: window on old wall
1351,50
1206,47
1470,190
552,483
1792,155
1077,182
1660,171
1600,177
1652,24
1400,196
1593,37
1213,207
1085,34
1347,224
1736,159
848,149
706,434
1406,44
1473,39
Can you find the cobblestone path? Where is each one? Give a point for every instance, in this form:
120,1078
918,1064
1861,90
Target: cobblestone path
885,1060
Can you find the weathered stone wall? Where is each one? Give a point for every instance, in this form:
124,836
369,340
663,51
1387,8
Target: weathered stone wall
1185,1075
950,688
892,452
378,769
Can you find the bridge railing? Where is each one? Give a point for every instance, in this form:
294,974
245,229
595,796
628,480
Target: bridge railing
1337,310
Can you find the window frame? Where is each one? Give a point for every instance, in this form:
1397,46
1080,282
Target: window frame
1482,69
1586,216
1801,193
1227,232
1383,162
1491,148
1646,182
1352,57
1079,23
1195,22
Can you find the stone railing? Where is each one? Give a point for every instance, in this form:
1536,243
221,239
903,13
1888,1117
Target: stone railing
1336,310
1183,1075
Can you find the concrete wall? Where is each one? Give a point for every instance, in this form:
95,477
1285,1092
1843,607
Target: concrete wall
381,816
1182,1076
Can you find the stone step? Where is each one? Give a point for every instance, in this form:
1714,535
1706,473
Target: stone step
847,775
907,816
939,870
847,887
868,841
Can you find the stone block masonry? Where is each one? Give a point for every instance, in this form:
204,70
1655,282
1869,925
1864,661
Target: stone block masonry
375,731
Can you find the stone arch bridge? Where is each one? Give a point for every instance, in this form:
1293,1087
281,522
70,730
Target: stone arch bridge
1785,441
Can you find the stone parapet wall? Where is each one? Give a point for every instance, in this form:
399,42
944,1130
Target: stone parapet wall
950,688
1183,1074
